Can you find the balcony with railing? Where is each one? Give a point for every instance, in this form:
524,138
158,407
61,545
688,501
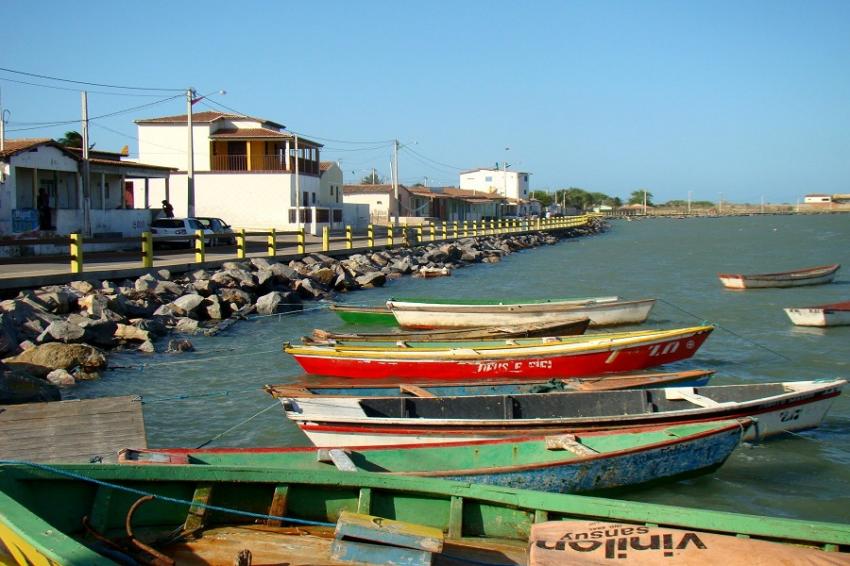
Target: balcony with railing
262,163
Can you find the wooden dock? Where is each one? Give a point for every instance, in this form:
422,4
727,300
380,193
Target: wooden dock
73,431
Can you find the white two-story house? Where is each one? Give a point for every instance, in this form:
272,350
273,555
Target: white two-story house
244,171
513,185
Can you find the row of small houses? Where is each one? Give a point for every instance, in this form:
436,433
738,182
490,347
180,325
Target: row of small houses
248,171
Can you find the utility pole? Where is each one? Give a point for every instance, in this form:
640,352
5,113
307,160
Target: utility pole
689,201
395,180
190,166
2,124
86,168
644,202
297,189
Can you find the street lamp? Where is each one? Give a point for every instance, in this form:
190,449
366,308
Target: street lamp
191,100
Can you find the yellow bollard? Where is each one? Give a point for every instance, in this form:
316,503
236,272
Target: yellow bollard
445,231
404,235
299,240
538,223
272,242
474,228
240,243
326,239
465,228
348,241
76,253
433,232
147,249
370,236
454,229
389,235
200,253
419,234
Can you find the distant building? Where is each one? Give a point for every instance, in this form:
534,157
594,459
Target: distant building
512,185
28,166
244,171
383,205
817,198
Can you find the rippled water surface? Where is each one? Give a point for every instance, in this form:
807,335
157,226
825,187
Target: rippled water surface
195,397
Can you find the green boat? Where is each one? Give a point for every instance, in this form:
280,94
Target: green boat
372,316
94,514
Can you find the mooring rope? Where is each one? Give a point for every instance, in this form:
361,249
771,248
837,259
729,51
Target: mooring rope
718,325
237,425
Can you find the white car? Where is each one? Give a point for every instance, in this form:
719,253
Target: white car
183,227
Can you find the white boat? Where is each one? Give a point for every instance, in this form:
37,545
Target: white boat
834,314
353,421
796,278
602,311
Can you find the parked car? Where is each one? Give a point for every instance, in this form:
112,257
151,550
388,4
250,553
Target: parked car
221,229
179,227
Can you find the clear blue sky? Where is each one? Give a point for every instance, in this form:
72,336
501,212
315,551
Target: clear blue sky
747,98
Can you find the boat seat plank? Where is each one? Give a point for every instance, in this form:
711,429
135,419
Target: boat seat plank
366,553
197,515
688,394
337,457
414,390
388,531
570,443
278,505
364,500
455,530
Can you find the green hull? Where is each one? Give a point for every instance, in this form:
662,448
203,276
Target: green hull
42,509
371,316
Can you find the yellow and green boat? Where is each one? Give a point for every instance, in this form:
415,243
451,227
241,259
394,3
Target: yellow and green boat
97,514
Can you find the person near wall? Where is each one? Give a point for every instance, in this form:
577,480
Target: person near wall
167,209
43,205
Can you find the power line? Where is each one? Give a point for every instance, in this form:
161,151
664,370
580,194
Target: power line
307,135
48,77
411,150
6,79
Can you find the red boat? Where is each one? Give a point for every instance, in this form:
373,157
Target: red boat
532,358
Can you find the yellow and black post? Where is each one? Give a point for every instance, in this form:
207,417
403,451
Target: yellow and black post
348,241
299,240
147,249
200,253
240,243
76,252
272,242
326,238
370,236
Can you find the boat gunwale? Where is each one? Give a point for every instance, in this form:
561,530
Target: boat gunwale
790,275
764,404
517,308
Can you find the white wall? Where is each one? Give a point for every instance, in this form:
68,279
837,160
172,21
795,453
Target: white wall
168,145
379,204
511,184
129,222
355,215
259,200
331,178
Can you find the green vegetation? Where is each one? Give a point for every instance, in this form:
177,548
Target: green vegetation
372,179
694,203
71,139
637,197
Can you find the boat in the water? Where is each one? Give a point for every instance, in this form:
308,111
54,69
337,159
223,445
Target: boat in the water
602,311
833,314
561,463
358,314
314,386
520,358
569,327
98,514
373,421
796,278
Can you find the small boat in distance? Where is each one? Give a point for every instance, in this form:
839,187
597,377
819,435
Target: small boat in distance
557,464
602,311
563,328
834,314
374,421
797,278
312,386
518,358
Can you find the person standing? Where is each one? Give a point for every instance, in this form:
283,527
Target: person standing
43,205
167,209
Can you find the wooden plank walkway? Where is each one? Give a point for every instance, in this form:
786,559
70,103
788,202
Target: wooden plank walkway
72,431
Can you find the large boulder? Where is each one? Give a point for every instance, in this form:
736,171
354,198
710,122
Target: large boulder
213,308
28,317
44,358
129,332
179,345
268,303
284,273
62,331
374,279
187,304
236,297
55,300
18,387
146,282
323,276
60,377
82,287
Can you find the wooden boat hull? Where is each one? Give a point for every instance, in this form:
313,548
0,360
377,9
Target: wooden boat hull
372,316
836,314
593,356
562,328
481,523
790,406
311,386
811,276
591,462
603,313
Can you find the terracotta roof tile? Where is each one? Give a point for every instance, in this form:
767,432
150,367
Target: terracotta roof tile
204,118
11,147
